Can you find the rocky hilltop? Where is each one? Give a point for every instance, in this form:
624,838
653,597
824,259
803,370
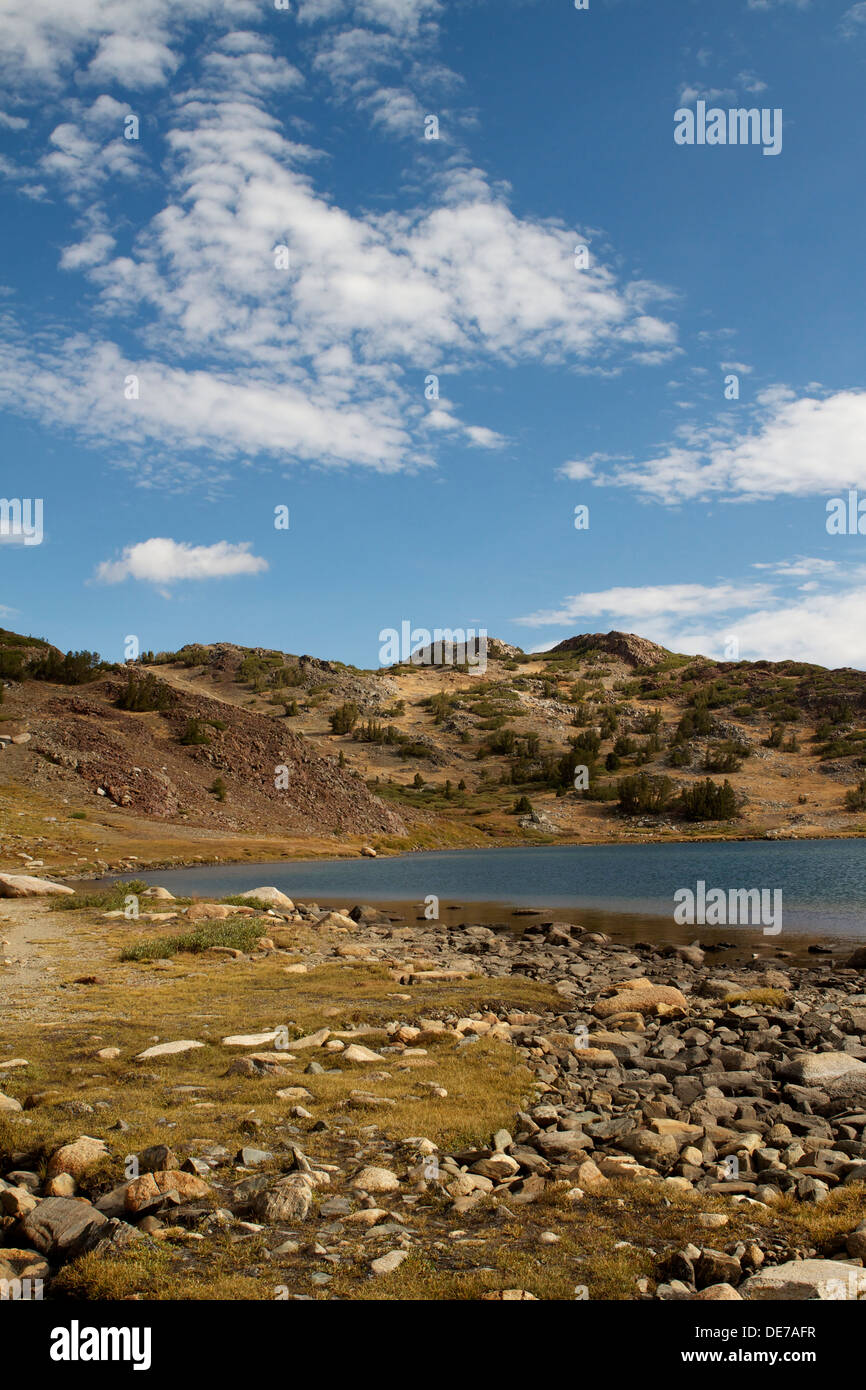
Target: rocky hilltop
635,651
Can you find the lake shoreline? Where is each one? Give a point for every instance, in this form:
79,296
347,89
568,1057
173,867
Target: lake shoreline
627,883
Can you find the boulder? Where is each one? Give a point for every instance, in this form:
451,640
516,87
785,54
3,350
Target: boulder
562,1143
58,1225
376,1180
813,1068
289,1199
648,1147
807,1279
272,896
77,1157
642,998
152,1188
336,920
23,886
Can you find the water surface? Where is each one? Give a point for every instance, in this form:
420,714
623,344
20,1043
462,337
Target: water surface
823,882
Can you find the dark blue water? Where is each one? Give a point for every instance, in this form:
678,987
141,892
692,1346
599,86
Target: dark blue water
823,882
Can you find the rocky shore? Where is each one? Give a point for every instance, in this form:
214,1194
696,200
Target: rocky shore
736,1095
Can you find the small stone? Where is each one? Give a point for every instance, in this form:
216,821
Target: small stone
17,1201
386,1264
251,1039
498,1167
63,1185
167,1049
23,1264
355,1053
376,1180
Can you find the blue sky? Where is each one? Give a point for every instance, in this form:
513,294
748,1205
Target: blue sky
151,265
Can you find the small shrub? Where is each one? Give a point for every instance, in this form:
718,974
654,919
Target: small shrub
194,733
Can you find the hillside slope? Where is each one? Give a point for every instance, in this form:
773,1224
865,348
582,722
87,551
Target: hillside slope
423,756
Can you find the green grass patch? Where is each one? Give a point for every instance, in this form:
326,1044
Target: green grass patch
104,899
240,933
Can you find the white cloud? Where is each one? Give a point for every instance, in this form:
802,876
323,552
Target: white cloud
91,149
798,447
134,45
821,620
323,361
93,250
230,416
398,111
826,628
637,605
132,61
804,566
774,4
403,17
13,122
163,561
853,22
751,82
579,469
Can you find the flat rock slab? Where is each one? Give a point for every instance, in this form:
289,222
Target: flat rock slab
59,1224
168,1049
311,1040
356,1053
562,1143
23,886
386,1264
815,1067
807,1279
251,1039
